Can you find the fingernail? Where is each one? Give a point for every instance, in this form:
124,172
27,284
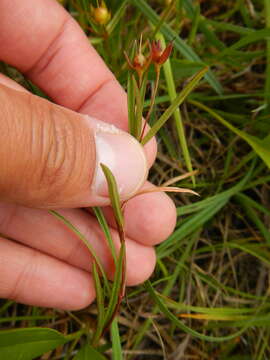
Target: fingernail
123,155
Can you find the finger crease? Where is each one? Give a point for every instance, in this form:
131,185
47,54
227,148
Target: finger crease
49,54
104,83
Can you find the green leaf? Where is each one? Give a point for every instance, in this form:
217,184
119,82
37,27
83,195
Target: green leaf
261,147
87,352
86,243
116,341
117,284
116,18
100,304
27,344
139,109
174,105
164,309
253,37
106,230
177,115
131,105
114,195
179,43
206,210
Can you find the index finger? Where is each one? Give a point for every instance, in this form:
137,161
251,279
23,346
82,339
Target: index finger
45,43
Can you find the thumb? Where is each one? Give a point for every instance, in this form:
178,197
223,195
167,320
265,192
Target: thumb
50,156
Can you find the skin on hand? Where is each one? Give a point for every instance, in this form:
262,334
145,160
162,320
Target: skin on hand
47,265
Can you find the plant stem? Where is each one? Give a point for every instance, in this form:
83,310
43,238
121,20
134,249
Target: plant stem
152,102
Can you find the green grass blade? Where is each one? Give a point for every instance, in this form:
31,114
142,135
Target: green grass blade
192,224
179,43
131,105
86,243
177,115
195,24
209,209
106,230
261,147
117,353
252,215
116,289
164,309
249,39
139,109
224,26
175,104
117,17
114,195
100,304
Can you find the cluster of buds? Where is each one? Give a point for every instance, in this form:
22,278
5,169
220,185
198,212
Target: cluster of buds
157,56
101,15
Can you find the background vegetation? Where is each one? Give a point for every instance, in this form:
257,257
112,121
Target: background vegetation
209,295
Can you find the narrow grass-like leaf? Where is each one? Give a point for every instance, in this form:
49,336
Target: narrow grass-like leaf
100,304
249,39
116,292
117,17
179,43
131,105
208,207
177,115
222,311
252,215
190,225
87,352
215,317
139,109
169,286
120,271
166,312
261,147
114,195
106,230
86,242
253,204
195,24
175,104
117,353
209,34
226,26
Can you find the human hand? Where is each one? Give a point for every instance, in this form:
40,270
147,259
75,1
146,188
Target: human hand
48,159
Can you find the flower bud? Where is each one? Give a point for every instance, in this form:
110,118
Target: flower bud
101,14
158,55
139,61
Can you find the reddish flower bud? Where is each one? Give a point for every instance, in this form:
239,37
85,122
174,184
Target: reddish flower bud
159,56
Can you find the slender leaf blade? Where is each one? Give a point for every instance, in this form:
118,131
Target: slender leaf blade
175,104
114,195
